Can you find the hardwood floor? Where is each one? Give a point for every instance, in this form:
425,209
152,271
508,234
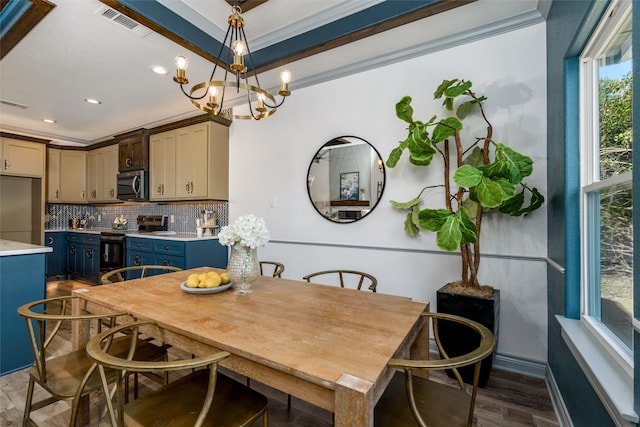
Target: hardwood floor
508,400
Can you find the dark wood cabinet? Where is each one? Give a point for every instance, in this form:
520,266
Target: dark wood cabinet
133,152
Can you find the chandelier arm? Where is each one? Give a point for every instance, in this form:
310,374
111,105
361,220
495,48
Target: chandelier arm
253,68
224,43
188,95
277,105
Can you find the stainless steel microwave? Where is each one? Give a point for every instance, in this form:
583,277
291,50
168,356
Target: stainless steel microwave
133,186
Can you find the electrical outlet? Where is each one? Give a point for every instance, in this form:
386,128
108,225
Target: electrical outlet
173,219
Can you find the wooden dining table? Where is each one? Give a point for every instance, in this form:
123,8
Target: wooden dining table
323,344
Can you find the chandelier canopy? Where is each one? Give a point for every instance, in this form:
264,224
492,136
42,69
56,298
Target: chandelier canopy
260,102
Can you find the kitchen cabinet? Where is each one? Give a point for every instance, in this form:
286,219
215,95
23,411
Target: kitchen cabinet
23,281
185,255
102,172
83,256
133,152
53,175
22,158
163,166
198,156
56,260
73,176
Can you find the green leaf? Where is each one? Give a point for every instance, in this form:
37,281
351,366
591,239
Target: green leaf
489,193
467,176
433,219
474,158
409,227
420,147
464,109
508,189
445,128
394,156
405,205
517,164
514,207
470,206
449,236
443,86
404,111
457,90
467,227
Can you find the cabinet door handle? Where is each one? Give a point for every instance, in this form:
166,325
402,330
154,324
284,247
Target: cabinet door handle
6,164
128,162
94,194
191,183
83,195
187,188
166,248
165,262
72,250
50,240
163,189
112,192
89,253
57,196
136,260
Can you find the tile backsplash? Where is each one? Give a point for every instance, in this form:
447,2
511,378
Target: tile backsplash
57,216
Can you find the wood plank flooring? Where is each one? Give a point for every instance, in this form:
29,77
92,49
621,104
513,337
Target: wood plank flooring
508,400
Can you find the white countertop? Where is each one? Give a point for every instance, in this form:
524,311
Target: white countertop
8,248
164,235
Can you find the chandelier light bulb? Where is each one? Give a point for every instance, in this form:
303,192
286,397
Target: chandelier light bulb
181,70
261,108
181,62
239,47
285,78
213,102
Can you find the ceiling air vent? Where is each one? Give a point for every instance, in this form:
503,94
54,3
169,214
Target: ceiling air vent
131,25
13,104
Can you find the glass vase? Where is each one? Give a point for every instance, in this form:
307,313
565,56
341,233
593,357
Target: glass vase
243,268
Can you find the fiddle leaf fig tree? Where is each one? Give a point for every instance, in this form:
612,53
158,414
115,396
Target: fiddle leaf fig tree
481,176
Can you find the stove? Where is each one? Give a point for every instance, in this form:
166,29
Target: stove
151,223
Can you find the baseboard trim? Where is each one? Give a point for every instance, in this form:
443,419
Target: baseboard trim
556,400
518,365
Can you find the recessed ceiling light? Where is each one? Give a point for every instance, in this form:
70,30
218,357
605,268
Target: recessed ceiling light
48,120
92,101
159,69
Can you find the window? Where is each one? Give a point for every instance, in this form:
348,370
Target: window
606,165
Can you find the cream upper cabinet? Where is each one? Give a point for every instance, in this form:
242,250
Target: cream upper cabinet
102,171
73,176
53,175
22,158
191,162
110,173
162,170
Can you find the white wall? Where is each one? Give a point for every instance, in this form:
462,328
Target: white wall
269,160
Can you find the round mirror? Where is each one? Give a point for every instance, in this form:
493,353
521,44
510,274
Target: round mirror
346,179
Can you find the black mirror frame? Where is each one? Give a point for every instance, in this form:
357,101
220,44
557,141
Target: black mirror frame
382,169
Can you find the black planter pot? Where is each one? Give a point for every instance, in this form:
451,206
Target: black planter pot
458,341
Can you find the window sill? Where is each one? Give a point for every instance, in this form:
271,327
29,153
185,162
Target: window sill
612,384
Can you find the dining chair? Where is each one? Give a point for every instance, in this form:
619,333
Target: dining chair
120,274
276,268
348,276
202,397
417,400
68,375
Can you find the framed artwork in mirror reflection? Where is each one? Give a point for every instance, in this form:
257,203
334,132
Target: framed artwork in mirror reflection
349,185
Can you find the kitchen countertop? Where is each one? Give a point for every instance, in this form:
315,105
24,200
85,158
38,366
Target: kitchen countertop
9,248
182,237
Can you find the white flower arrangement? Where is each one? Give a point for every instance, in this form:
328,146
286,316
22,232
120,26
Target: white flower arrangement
247,230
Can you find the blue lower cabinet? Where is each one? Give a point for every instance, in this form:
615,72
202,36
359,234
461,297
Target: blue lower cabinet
182,254
23,281
83,256
56,260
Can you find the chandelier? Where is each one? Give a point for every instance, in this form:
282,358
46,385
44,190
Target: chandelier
261,103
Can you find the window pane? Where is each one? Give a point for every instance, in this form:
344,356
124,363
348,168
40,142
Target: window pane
615,275
615,79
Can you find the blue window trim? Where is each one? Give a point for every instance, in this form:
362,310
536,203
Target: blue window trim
572,187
